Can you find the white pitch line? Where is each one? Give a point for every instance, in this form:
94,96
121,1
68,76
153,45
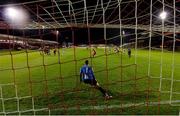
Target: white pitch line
124,105
102,106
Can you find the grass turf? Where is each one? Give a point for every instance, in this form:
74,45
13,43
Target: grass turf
56,85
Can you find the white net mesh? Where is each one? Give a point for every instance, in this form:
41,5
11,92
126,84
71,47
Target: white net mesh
34,83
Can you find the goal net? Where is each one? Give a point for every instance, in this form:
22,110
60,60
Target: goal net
132,46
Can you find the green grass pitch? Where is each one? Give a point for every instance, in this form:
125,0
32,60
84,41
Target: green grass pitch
56,86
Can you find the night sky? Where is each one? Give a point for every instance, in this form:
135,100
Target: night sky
80,35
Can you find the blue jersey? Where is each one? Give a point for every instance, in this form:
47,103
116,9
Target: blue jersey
87,73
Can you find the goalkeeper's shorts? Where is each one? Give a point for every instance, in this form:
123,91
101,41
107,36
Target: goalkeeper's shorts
90,81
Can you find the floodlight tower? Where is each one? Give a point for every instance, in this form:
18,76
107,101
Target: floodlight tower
11,14
57,36
123,36
163,16
16,15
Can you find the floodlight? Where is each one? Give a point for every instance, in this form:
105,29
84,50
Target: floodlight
123,32
16,15
57,32
11,12
163,15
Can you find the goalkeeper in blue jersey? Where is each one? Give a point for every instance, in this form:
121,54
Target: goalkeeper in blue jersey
87,76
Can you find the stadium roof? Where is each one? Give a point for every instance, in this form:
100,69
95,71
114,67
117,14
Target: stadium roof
18,38
81,13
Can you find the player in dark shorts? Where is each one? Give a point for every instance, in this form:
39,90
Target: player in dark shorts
87,76
129,52
54,51
93,52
